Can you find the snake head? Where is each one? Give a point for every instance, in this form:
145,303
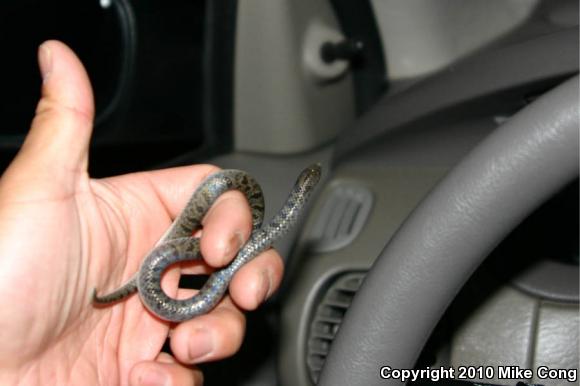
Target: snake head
310,176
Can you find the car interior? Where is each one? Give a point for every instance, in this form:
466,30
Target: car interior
444,232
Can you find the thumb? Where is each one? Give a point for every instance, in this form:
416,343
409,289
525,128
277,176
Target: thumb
55,151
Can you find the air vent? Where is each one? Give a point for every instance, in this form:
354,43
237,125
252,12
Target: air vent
327,319
342,218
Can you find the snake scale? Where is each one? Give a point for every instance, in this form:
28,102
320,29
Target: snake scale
177,244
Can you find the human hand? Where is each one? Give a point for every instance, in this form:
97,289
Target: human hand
63,233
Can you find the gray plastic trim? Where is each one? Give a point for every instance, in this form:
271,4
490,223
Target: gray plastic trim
550,280
342,218
503,68
511,327
280,107
422,36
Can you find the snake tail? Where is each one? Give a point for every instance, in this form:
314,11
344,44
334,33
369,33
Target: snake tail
127,289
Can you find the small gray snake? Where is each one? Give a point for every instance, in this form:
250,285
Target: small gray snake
177,244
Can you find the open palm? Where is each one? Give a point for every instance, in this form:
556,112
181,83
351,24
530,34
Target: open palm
62,234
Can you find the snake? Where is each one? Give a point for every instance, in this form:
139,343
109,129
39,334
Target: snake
178,244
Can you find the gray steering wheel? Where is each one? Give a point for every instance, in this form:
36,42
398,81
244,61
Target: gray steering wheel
518,167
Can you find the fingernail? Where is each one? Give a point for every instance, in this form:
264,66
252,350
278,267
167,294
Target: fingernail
44,61
153,377
265,287
200,345
233,246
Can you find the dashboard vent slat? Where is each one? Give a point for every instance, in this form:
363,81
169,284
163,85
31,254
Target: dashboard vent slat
334,303
342,217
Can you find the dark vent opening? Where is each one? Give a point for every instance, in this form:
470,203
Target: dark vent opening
334,303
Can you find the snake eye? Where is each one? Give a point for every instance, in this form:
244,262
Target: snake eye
316,168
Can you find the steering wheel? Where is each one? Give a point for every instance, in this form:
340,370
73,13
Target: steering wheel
518,167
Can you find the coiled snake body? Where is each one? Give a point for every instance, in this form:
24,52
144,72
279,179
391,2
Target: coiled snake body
178,244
